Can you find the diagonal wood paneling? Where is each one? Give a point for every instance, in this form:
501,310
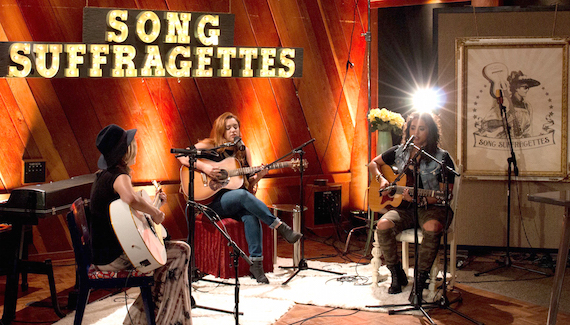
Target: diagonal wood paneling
58,120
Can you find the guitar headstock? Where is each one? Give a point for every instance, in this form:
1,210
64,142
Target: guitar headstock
157,186
296,164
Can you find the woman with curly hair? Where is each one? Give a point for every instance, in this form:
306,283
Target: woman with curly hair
432,213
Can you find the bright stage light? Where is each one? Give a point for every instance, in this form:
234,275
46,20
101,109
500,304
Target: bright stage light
427,100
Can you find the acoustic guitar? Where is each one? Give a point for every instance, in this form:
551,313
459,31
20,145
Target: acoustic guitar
231,176
377,201
141,238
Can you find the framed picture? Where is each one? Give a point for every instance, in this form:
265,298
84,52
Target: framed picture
512,107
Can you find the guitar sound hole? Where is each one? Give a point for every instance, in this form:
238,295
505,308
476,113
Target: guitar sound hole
221,181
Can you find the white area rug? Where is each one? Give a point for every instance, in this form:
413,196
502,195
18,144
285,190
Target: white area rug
265,304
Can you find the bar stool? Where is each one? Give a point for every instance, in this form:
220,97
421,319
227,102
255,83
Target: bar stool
296,213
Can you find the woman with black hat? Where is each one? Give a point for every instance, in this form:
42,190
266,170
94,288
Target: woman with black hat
171,291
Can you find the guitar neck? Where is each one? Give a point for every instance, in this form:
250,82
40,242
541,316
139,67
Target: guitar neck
156,203
421,192
252,170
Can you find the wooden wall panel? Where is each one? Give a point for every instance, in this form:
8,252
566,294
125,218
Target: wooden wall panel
58,126
12,147
191,111
81,116
58,120
315,93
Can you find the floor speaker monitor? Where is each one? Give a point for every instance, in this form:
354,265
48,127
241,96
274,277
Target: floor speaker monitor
324,203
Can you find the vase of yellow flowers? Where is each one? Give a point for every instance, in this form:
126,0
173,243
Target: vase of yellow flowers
386,123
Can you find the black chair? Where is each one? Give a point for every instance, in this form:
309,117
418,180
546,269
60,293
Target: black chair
88,278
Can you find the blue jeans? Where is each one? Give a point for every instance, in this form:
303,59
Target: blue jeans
241,204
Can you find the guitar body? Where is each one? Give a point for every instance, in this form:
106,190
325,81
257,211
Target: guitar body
232,177
142,240
205,186
377,201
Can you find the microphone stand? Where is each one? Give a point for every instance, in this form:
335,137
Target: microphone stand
444,302
192,155
302,265
512,161
236,253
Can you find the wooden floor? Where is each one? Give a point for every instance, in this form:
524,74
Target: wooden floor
481,306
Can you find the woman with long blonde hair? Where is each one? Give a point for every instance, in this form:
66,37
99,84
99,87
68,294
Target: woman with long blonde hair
241,204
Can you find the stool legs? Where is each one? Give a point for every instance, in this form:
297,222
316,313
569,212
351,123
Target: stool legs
275,211
296,227
297,245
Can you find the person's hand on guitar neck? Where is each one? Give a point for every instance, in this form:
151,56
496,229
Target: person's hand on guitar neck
252,181
161,198
260,174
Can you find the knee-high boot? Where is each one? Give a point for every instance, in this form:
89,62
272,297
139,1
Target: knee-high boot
428,252
399,278
389,247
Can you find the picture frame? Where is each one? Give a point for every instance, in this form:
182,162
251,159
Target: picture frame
517,87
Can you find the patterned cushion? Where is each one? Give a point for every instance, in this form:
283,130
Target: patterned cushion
97,274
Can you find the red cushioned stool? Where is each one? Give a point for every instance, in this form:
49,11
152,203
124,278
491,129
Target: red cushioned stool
212,253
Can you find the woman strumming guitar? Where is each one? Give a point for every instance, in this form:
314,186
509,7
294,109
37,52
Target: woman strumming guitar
432,216
241,204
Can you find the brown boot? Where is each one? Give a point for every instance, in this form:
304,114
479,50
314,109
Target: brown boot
419,286
399,278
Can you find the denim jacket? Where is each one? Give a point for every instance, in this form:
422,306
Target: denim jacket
429,169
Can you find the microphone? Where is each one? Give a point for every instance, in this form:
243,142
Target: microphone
194,150
238,143
410,141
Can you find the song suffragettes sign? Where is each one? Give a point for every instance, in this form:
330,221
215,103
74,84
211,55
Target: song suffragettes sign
119,43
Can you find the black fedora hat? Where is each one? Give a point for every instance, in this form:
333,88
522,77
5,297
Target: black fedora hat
112,142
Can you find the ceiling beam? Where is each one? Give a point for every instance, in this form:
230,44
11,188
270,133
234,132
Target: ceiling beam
400,3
